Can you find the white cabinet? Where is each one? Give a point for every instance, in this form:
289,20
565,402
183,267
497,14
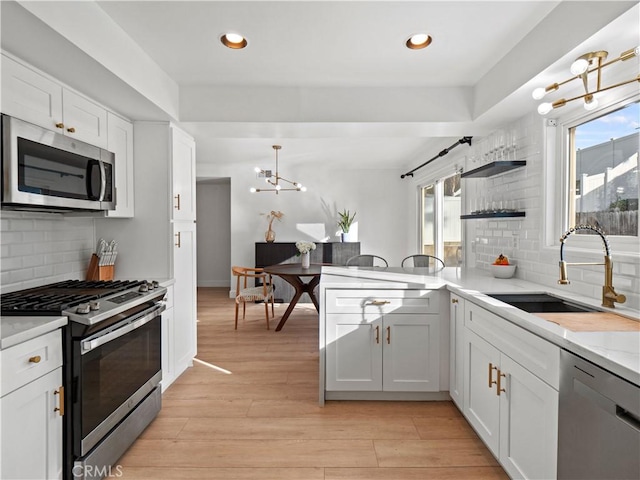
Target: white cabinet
382,340
183,150
456,350
33,97
120,142
154,245
184,273
32,394
513,411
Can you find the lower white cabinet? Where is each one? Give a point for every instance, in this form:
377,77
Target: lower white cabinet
456,350
31,415
513,411
387,346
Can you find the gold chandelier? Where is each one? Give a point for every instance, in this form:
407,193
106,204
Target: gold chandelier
583,66
275,180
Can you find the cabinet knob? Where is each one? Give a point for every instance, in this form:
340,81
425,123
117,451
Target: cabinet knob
454,300
71,130
35,359
59,125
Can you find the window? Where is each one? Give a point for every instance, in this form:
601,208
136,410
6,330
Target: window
441,229
603,172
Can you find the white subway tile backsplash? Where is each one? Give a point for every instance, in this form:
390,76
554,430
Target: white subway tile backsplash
41,248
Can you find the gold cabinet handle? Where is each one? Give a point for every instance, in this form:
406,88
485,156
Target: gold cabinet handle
388,335
35,359
60,409
377,334
499,384
378,302
454,300
178,239
177,205
491,369
71,130
59,125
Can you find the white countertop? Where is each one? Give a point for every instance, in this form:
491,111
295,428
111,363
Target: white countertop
15,330
618,352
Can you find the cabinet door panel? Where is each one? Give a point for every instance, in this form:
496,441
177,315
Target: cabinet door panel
184,176
353,353
411,359
528,423
481,404
184,273
30,96
87,119
120,142
456,352
32,430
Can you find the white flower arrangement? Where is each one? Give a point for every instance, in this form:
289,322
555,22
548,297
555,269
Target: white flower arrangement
305,247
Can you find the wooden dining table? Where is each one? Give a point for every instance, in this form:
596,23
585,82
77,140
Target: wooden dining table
303,280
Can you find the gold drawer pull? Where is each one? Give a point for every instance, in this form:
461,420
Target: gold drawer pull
177,205
59,125
454,300
60,392
177,235
35,359
388,335
71,130
379,302
377,334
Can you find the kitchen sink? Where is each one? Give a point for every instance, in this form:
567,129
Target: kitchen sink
540,303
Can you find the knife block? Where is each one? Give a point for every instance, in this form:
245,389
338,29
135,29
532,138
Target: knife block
99,272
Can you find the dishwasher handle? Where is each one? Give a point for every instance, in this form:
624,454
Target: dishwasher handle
627,417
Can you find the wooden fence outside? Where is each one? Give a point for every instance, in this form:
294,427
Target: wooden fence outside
612,223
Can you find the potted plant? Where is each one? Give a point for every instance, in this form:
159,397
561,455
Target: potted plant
346,219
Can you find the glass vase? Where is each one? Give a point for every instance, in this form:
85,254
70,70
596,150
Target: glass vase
270,236
305,260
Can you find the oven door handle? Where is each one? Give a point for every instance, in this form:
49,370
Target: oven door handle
89,345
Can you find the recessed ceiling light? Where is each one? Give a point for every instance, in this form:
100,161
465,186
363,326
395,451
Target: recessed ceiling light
233,40
418,41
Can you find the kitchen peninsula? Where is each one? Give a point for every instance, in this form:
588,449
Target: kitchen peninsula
399,334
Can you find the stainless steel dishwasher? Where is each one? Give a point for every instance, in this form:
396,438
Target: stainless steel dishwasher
599,423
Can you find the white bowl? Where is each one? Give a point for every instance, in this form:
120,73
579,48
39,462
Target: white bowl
503,271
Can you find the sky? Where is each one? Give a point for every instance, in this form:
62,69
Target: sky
619,123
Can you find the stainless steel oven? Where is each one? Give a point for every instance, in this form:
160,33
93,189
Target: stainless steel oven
112,364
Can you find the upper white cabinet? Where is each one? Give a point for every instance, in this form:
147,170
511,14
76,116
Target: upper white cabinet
382,340
120,142
513,411
183,150
30,96
35,98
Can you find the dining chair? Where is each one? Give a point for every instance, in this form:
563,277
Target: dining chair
421,260
246,293
366,261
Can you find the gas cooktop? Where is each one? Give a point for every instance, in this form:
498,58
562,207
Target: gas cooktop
84,301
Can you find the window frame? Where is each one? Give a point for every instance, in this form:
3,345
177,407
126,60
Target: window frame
557,173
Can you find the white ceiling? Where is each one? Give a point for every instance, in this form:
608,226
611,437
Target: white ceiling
377,103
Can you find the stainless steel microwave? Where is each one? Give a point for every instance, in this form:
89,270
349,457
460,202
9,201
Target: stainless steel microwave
42,169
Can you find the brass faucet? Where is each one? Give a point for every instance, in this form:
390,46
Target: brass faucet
609,295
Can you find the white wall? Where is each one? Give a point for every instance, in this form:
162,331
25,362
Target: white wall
43,248
378,196
214,233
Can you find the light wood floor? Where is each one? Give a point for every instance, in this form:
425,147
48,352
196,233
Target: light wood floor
248,409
